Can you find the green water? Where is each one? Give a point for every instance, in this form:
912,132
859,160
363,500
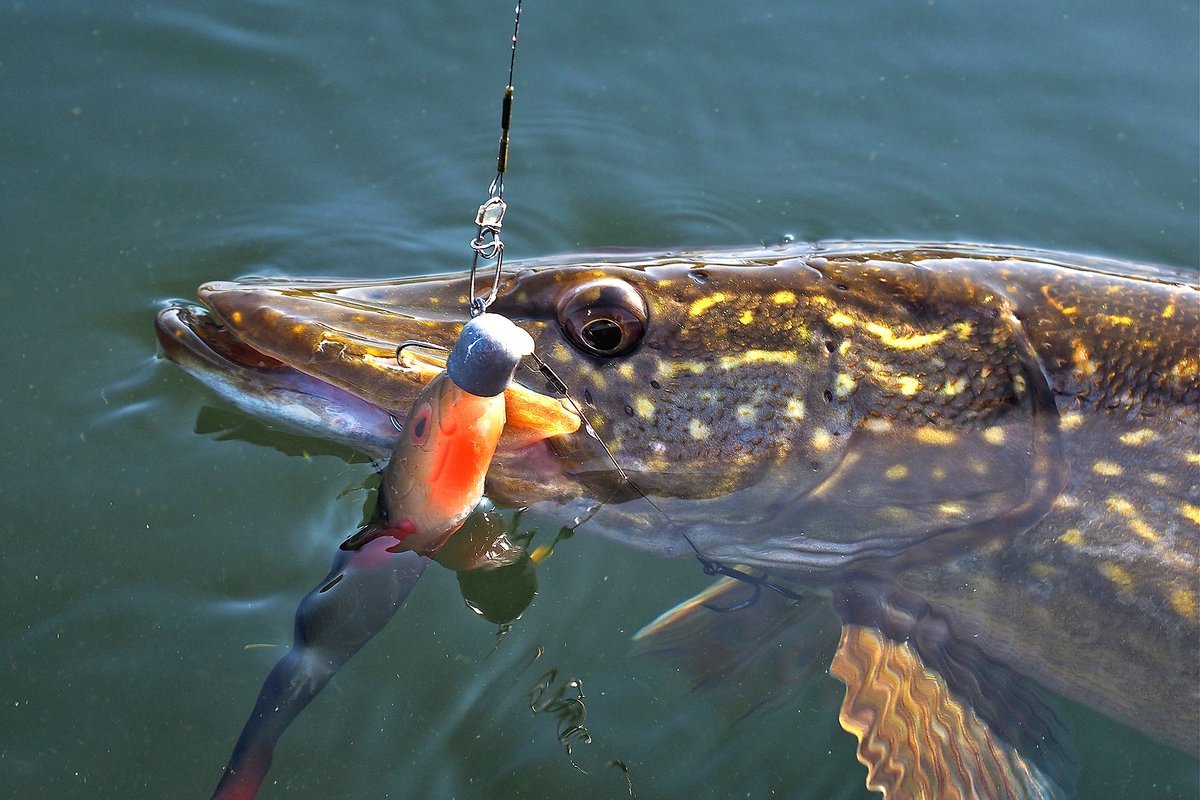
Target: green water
151,535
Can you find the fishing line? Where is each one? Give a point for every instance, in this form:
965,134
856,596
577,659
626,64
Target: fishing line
490,217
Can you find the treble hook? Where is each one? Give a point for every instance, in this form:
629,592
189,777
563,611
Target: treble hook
758,582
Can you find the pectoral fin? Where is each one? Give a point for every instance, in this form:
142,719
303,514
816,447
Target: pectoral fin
919,739
766,648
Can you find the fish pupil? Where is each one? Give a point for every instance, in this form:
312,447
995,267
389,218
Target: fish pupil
604,335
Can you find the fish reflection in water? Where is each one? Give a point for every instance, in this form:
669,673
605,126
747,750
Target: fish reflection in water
976,467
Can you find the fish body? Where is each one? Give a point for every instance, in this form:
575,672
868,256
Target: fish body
986,459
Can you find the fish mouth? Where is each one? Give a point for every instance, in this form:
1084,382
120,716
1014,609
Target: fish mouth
320,358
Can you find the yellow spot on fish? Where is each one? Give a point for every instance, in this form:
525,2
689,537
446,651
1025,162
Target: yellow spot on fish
1192,458
1169,311
951,508
822,439
626,371
236,318
757,357
963,329
297,329
913,342
896,514
844,385
1118,575
1190,511
1139,526
1071,420
698,430
936,436
643,407
698,307
660,463
795,409
1107,468
954,387
938,473
783,297
896,472
1066,501
1184,602
746,317
908,385
1119,319
1040,569
746,413
1185,368
1072,538
1138,437
1158,479
1084,364
994,435
888,337
1120,505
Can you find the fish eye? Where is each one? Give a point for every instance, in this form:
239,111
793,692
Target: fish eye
604,318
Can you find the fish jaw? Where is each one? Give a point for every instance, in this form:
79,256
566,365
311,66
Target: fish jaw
268,389
320,358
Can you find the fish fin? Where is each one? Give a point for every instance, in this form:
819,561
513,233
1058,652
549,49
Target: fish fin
765,649
917,737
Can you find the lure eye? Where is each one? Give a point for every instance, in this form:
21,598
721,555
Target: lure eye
420,425
604,318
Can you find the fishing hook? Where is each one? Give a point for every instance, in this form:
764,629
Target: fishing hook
759,583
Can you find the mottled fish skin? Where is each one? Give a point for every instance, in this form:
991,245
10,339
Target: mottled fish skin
1091,590
1007,436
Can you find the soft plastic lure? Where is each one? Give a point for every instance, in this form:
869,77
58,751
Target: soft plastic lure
430,487
435,477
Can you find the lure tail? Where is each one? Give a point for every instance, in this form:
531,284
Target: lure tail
363,590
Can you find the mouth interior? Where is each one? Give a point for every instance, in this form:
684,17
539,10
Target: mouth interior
225,345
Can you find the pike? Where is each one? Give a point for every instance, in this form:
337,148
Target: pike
983,463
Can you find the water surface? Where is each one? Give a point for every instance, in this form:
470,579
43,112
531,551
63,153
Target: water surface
153,538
